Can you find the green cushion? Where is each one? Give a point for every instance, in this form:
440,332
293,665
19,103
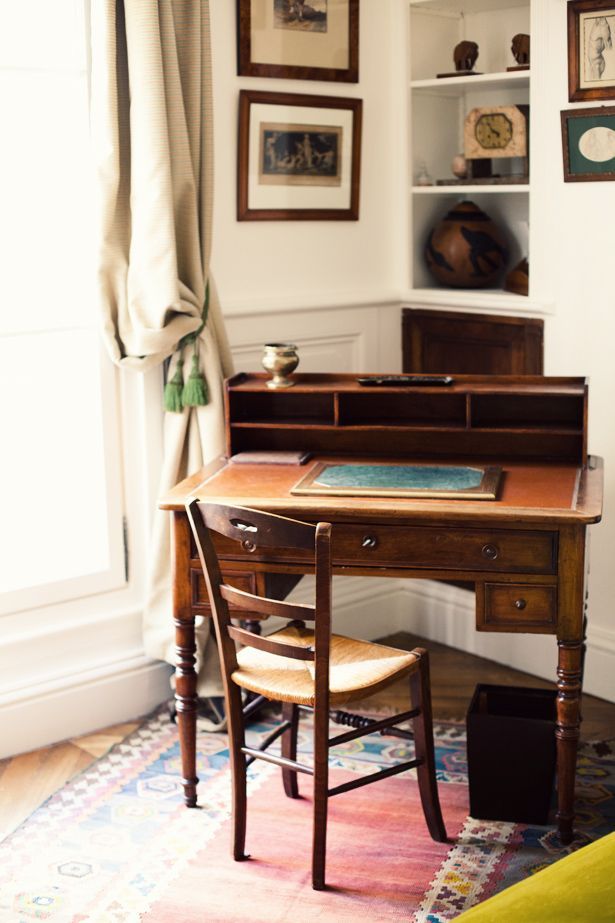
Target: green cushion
577,889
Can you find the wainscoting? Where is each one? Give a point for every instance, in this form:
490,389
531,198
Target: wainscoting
51,691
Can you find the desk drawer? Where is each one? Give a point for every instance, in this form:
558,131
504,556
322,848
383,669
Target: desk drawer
517,607
242,580
511,551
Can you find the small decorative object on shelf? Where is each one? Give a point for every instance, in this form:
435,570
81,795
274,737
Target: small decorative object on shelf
465,55
423,177
280,359
520,48
459,166
466,249
518,279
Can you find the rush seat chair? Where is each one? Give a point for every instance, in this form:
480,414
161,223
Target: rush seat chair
304,668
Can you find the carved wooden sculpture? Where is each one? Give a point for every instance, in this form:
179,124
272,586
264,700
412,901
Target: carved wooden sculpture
465,56
520,48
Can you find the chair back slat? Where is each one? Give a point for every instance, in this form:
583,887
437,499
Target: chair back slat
294,651
262,604
271,531
264,530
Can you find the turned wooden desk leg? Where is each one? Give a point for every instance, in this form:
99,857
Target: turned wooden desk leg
570,641
185,675
567,732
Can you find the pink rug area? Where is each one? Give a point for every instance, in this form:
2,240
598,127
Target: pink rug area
380,859
117,845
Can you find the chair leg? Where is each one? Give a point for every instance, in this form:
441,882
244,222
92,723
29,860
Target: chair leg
423,739
290,712
321,799
238,770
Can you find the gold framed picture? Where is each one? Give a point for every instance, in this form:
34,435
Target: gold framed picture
298,157
298,39
591,50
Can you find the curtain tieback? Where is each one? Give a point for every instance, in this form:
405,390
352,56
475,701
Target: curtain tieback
194,392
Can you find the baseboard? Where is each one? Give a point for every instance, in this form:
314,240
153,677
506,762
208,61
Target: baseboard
110,694
445,613
372,608
363,607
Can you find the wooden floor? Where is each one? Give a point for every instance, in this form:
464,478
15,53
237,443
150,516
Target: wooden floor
26,781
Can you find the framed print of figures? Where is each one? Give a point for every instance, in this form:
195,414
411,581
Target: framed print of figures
588,139
299,157
298,39
591,49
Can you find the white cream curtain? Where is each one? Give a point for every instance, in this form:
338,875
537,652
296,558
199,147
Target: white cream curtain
152,135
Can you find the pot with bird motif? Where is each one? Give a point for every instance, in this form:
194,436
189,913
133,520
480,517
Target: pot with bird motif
466,249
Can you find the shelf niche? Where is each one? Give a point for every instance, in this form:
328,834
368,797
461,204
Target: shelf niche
437,113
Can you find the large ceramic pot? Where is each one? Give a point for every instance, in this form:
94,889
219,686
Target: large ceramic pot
466,249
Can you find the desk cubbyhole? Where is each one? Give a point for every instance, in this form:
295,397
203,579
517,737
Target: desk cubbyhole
280,407
517,411
395,408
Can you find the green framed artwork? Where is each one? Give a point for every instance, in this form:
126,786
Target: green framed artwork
378,479
588,141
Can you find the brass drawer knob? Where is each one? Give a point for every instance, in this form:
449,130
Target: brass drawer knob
369,541
490,552
247,545
520,603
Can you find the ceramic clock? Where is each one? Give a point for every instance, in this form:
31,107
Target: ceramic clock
496,131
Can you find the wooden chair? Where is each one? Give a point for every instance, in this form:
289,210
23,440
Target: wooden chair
302,668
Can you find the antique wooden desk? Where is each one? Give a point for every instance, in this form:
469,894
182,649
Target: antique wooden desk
524,551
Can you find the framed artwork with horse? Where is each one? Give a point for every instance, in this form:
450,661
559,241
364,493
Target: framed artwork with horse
298,39
591,51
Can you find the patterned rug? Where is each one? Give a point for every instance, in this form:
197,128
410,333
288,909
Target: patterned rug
116,843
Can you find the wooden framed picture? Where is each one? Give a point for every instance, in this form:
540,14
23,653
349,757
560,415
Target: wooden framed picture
588,141
591,49
299,157
298,39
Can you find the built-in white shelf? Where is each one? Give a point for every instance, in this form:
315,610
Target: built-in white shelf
438,107
474,189
459,7
457,86
477,300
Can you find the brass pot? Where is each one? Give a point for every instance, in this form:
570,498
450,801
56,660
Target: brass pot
280,359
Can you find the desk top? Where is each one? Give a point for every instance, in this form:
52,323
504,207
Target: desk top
529,492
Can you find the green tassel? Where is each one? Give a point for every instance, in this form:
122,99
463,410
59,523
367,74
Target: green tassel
173,389
195,393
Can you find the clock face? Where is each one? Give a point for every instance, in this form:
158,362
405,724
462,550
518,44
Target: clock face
493,131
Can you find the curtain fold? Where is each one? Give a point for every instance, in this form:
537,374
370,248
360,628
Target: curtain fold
151,115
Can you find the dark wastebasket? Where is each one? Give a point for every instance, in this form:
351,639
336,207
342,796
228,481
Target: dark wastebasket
511,753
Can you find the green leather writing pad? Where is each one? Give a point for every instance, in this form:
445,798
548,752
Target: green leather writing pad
378,480
415,476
